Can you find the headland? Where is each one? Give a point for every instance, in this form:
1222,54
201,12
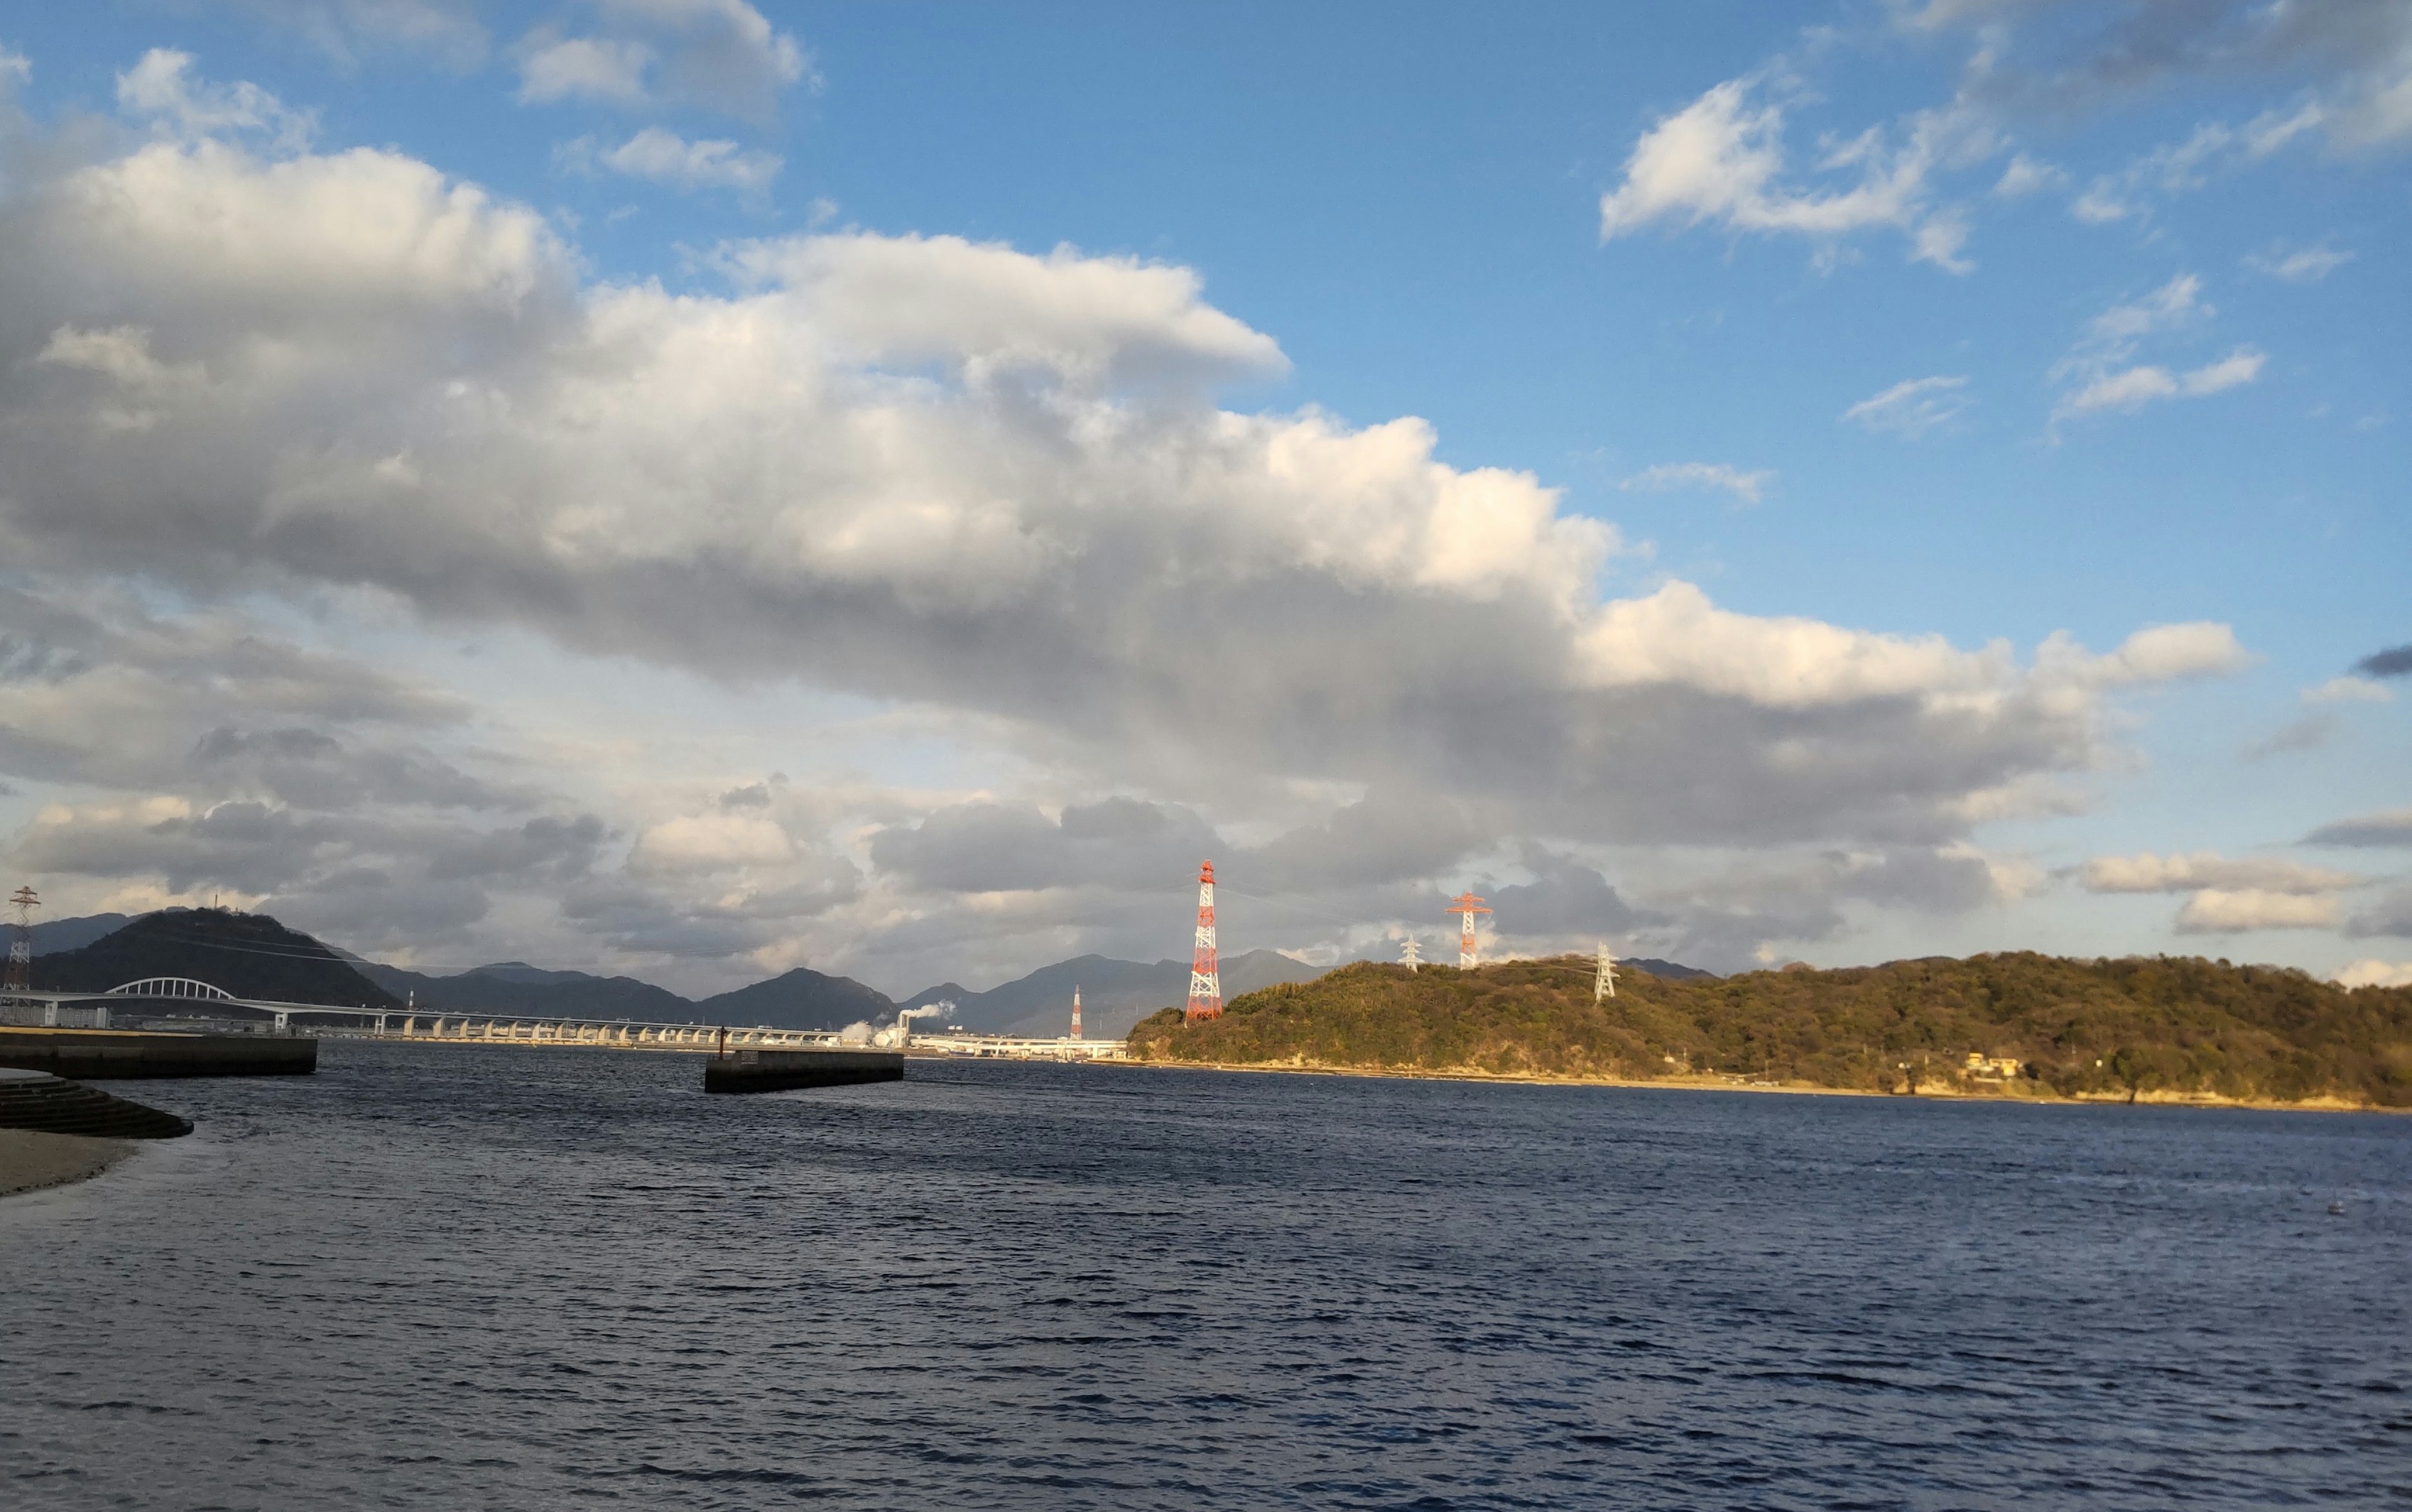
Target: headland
2016,1027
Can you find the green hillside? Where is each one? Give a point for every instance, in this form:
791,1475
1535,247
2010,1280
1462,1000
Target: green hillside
2077,1028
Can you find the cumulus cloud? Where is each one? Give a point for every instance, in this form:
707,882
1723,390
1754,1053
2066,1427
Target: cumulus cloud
711,843
554,67
991,488
2220,911
1913,408
2376,972
660,157
2208,869
1749,487
719,55
162,89
1721,160
202,753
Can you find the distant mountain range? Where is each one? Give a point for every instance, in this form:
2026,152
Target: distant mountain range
58,934
251,955
1665,970
1114,995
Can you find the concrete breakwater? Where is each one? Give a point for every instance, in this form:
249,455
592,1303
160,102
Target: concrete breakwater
113,1054
777,1070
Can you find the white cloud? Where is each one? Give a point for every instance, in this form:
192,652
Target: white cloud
584,69
982,493
1913,408
2099,206
1749,487
660,157
2114,334
2349,690
162,88
1721,160
2157,654
2113,337
2300,265
2131,388
713,842
720,55
2376,972
2217,911
2208,869
2028,175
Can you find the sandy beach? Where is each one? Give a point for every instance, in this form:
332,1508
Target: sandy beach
30,1160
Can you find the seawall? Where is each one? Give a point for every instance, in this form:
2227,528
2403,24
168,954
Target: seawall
777,1070
111,1054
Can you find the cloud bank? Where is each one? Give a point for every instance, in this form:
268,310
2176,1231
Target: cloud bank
996,489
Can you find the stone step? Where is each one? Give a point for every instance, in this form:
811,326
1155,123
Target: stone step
53,1105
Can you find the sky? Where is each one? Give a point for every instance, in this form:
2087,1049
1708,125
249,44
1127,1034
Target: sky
670,488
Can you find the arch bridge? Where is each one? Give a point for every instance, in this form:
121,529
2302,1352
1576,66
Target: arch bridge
94,1010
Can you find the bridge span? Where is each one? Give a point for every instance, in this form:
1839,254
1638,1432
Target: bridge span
182,994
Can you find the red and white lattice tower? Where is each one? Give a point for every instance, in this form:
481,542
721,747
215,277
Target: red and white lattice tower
20,940
1205,976
1076,1013
1470,905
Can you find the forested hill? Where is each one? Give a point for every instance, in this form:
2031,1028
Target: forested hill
2075,1028
250,955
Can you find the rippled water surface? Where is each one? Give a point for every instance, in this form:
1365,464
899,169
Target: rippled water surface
462,1277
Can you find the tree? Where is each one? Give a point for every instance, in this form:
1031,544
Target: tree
2136,1070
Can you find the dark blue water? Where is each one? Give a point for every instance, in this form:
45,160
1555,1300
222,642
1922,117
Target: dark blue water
462,1277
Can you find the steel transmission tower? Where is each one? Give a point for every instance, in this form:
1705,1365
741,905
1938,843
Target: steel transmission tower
1604,985
1470,905
1409,953
1205,976
1076,1013
20,940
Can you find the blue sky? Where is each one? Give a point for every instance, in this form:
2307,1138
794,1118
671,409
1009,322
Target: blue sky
2127,274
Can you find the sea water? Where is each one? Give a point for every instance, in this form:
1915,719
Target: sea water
453,1277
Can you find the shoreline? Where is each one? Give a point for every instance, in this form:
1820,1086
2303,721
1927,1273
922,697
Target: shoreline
31,1160
1797,1089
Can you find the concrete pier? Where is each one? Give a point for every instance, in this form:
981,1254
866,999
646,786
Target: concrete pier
109,1054
777,1070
